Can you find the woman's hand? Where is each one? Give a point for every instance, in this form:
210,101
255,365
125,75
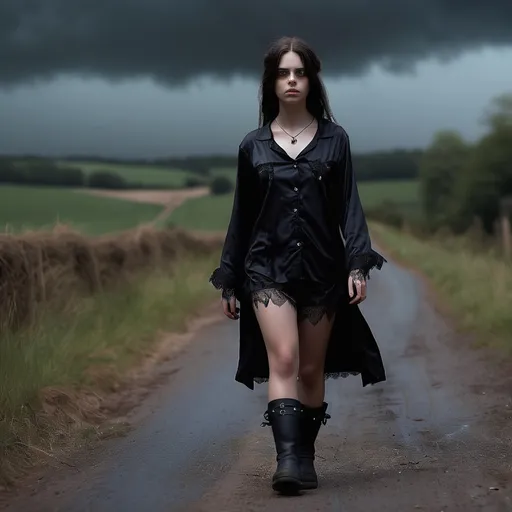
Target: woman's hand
356,280
229,305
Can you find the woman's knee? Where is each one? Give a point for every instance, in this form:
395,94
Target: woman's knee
284,362
310,374
279,329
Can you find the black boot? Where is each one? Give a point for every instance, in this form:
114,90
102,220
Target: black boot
310,421
283,415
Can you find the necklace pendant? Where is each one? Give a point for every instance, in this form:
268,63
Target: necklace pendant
294,140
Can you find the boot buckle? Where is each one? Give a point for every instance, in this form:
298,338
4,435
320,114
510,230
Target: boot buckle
267,422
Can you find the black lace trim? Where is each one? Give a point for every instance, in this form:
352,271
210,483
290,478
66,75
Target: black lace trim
329,375
367,262
267,295
357,275
314,314
311,313
221,281
228,293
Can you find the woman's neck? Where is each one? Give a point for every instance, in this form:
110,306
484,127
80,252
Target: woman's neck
292,117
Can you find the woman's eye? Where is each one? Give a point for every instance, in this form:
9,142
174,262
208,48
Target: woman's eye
299,73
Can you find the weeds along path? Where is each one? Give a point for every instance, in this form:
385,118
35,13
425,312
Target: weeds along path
80,313
435,436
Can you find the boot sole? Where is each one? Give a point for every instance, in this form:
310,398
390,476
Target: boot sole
287,485
309,485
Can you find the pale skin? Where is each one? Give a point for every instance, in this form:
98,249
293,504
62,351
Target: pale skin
296,350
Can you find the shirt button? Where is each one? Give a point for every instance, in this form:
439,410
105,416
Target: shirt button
320,177
295,188
295,210
299,243
295,166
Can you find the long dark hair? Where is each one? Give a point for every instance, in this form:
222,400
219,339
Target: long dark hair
317,102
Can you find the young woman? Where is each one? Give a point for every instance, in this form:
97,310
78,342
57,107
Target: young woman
297,255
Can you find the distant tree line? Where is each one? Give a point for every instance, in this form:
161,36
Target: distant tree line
39,172
461,182
379,165
396,164
399,164
45,172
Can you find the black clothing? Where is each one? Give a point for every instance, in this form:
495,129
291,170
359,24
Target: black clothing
311,300
284,415
311,419
285,232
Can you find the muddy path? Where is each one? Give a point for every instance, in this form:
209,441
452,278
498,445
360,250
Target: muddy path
435,437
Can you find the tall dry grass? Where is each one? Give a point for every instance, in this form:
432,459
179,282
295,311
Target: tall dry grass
76,314
46,267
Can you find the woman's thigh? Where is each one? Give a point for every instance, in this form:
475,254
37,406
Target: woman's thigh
314,334
316,313
277,318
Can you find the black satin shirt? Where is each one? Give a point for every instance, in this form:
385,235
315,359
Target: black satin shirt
289,214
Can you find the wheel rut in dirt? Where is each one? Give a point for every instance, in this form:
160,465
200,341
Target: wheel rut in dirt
435,436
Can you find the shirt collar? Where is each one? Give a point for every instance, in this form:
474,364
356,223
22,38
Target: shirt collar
325,127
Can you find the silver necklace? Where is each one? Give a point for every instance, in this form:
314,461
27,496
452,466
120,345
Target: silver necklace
294,137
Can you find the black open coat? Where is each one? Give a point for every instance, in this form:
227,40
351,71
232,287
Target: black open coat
296,219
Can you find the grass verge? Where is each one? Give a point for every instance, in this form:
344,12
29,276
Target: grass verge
475,287
53,375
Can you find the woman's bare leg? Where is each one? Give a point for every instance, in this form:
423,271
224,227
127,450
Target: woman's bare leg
278,324
313,341
314,338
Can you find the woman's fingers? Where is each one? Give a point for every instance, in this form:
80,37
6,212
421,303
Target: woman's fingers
232,308
229,308
360,285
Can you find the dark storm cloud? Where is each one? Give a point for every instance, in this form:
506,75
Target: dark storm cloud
174,42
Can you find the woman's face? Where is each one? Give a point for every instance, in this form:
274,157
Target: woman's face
292,84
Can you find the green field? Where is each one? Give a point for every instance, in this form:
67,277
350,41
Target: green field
23,208
229,172
213,212
374,193
208,213
147,175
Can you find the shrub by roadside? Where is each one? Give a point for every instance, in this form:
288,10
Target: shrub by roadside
221,185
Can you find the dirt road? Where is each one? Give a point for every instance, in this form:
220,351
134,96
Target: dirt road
435,437
171,199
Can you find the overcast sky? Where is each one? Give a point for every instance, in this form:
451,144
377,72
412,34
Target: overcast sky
149,78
